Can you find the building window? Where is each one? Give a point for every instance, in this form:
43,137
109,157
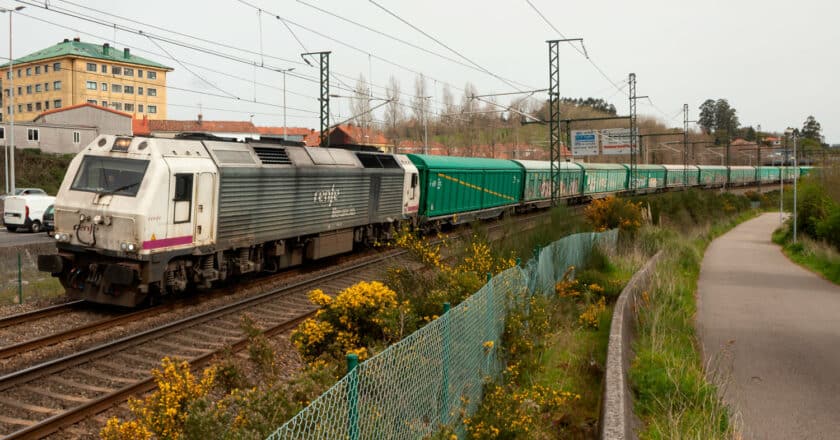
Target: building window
46,87
139,90
139,73
77,137
151,75
20,90
28,90
91,101
38,106
32,134
91,67
129,107
57,103
139,108
37,88
46,68
37,70
116,88
152,109
104,87
19,73
116,70
91,85
128,89
46,105
56,67
28,71
20,108
9,75
29,107
104,68
151,92
56,85
128,71
2,133
104,103
117,105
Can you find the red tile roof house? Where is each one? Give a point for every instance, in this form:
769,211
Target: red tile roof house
239,130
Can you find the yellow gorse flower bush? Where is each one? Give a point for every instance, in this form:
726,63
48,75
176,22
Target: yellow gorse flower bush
592,312
355,319
612,212
162,414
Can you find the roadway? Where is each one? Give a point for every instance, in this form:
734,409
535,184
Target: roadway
771,327
22,238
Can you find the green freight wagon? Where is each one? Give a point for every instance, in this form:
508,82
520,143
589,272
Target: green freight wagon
741,175
538,180
805,170
454,185
768,174
604,178
712,175
787,173
647,176
680,175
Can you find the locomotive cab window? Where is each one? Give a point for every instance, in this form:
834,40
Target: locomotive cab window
182,197
109,175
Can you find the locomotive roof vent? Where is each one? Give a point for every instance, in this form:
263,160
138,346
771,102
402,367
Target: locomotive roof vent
272,156
377,160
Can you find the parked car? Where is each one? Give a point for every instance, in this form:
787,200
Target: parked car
26,212
49,220
19,192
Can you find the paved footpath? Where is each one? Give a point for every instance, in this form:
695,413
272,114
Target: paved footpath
778,326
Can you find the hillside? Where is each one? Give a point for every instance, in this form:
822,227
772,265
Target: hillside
36,169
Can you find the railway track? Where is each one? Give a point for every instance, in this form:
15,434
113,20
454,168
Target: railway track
45,312
39,400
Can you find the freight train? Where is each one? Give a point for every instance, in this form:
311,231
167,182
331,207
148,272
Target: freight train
138,218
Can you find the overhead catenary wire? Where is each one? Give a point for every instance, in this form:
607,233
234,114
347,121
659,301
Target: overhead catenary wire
438,41
230,57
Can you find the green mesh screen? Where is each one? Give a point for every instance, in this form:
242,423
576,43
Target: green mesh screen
425,380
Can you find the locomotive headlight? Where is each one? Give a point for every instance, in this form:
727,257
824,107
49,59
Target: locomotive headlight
98,219
57,237
124,246
82,217
61,237
65,237
131,247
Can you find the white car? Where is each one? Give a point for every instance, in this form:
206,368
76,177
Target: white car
26,212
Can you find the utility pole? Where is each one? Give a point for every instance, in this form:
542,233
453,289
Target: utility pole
758,157
795,178
685,145
285,71
634,132
10,175
325,94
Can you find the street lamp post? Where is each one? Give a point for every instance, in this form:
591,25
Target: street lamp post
284,71
795,178
10,174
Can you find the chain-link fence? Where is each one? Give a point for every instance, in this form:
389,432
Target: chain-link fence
427,379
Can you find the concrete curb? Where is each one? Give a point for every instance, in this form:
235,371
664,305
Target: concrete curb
618,421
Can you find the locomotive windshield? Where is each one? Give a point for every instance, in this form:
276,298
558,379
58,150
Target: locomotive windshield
109,175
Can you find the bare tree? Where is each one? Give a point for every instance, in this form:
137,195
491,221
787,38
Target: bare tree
393,111
469,110
361,105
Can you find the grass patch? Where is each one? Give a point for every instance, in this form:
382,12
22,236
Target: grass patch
555,357
814,255
37,286
675,394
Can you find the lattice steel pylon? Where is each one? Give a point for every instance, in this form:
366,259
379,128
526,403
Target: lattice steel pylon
633,131
554,116
325,95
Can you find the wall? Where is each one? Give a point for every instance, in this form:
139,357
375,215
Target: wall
106,122
51,138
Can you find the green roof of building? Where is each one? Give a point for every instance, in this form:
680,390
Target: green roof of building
88,50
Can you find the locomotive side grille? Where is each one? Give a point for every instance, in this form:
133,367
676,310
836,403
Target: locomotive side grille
272,156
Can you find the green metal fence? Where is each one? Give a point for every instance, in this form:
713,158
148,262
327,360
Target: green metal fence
424,381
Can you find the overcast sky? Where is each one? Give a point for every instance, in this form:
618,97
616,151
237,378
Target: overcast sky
774,61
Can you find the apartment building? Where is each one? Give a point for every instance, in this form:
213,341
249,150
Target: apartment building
74,72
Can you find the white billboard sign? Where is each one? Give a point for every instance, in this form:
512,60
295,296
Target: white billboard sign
584,143
615,141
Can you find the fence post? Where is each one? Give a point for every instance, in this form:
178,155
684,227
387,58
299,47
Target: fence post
447,347
490,336
353,396
20,282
